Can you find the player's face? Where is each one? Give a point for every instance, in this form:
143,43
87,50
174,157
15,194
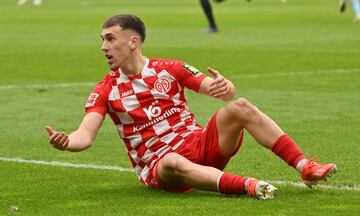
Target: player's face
117,46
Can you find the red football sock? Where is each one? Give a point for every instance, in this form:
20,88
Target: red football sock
287,150
231,184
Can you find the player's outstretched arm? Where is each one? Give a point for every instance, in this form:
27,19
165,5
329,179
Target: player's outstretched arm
218,86
81,138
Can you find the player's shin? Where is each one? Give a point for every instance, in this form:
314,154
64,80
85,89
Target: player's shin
286,148
233,184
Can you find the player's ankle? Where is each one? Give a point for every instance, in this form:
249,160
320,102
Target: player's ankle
300,165
246,185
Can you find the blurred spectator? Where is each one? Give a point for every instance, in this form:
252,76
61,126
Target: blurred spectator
206,6
356,7
35,2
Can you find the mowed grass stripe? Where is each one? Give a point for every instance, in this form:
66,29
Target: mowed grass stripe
59,42
122,169
277,74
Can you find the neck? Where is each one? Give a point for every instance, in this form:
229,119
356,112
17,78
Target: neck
134,65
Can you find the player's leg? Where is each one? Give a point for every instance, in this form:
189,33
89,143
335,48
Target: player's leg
205,4
342,5
241,114
356,8
174,169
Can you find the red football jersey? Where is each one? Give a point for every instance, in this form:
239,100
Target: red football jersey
149,109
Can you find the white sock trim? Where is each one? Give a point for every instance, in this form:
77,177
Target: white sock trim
218,181
246,184
300,165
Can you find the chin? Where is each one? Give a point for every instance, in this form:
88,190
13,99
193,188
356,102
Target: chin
114,68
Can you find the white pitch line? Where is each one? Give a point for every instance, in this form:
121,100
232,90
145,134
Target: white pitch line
278,74
333,187
299,73
122,169
66,164
39,86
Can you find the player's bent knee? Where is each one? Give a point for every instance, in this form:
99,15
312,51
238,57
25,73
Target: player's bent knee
243,109
242,103
175,164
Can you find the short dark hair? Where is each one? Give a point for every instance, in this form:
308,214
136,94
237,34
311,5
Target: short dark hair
127,21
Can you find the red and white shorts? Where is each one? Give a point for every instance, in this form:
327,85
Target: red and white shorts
200,147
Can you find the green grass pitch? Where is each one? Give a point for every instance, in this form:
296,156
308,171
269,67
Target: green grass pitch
298,62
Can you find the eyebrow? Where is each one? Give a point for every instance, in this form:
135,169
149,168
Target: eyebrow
107,34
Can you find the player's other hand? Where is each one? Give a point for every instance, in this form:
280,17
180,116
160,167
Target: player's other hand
59,140
220,86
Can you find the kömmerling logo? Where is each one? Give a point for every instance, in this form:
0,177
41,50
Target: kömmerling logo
165,115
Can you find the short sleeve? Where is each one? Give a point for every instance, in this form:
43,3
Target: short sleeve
187,76
97,101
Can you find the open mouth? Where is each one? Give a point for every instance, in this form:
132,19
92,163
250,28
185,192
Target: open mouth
109,57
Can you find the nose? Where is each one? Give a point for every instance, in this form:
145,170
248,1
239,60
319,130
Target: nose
104,46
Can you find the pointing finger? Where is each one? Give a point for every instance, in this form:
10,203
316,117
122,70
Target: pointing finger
214,72
50,130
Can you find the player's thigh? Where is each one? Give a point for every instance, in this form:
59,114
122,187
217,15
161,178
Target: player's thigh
229,128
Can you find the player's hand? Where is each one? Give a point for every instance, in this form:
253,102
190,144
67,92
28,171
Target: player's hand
59,140
219,87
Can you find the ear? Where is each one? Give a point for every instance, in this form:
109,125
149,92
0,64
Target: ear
134,42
